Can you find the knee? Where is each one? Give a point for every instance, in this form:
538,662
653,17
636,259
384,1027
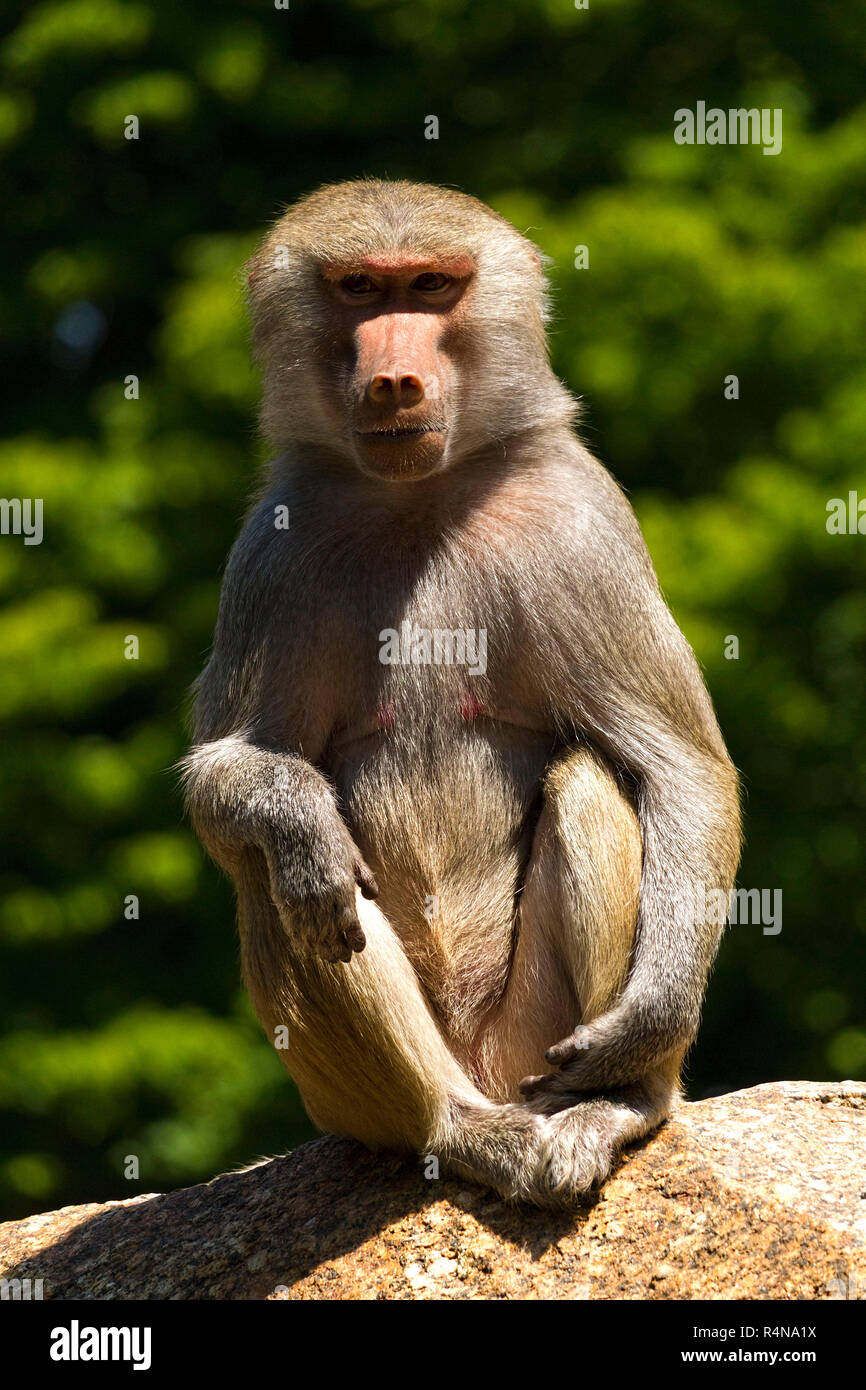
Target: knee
592,817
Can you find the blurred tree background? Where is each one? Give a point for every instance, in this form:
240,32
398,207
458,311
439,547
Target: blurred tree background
133,1037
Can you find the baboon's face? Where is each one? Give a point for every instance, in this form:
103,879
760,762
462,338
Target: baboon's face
391,369
401,330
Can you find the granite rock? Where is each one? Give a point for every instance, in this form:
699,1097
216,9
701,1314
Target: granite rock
758,1194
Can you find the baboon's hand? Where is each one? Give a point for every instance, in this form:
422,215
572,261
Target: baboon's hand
313,880
566,1056
592,1057
615,1049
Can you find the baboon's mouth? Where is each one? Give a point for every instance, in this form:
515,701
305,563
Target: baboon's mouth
395,432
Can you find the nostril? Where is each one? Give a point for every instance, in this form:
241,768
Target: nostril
382,387
411,389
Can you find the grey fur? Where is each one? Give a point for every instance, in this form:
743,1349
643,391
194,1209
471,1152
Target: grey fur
591,760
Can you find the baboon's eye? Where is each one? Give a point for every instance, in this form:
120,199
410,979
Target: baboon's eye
357,284
431,281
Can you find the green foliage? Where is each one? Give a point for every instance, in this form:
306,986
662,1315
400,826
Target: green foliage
128,1035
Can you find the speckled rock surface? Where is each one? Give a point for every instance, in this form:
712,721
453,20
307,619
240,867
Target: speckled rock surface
756,1194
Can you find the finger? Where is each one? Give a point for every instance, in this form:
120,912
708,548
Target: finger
351,931
339,950
365,880
534,1085
561,1052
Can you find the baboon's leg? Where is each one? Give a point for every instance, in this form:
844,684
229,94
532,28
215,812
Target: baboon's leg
368,1056
576,920
576,929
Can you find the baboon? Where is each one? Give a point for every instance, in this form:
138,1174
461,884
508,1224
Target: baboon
470,891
